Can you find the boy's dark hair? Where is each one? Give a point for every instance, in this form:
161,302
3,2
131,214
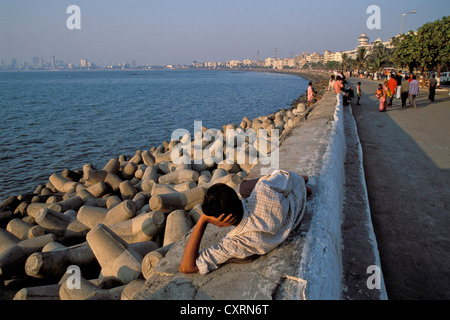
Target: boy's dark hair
359,83
221,198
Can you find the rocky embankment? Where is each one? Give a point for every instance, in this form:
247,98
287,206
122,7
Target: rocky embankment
89,233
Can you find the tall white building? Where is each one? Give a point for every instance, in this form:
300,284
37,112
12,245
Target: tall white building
332,56
84,63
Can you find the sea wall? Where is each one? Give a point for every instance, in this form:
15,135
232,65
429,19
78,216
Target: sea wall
321,263
319,149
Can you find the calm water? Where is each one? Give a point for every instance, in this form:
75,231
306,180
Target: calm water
52,121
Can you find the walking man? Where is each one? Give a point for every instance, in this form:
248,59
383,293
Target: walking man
413,91
432,88
392,85
398,78
404,92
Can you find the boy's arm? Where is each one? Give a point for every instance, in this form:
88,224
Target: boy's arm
187,264
190,255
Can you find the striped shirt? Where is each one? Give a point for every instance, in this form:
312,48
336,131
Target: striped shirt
272,211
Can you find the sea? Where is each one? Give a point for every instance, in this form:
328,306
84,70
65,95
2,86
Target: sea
56,120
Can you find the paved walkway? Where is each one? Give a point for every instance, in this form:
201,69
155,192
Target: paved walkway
407,168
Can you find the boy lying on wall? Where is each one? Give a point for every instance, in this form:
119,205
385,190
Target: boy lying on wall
272,207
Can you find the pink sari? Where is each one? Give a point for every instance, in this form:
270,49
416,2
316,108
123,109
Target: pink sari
310,94
382,99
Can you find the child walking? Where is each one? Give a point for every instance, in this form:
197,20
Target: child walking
358,93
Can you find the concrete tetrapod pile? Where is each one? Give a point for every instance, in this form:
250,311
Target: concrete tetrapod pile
98,233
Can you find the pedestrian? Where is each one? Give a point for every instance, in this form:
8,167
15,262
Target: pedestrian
350,93
404,92
311,95
381,95
392,88
413,91
331,83
398,78
358,93
339,89
432,88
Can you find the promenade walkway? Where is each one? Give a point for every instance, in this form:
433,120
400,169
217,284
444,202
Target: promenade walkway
407,169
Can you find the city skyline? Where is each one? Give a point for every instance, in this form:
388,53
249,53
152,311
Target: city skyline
178,33
294,61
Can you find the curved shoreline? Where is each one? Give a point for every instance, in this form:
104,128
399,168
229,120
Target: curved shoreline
319,79
76,203
40,177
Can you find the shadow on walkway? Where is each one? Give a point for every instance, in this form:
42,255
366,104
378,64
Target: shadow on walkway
408,191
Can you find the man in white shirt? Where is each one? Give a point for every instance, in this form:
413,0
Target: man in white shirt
413,91
274,207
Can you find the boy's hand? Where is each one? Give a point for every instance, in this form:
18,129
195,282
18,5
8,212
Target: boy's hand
188,264
222,221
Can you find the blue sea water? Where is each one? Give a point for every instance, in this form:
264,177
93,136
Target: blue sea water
51,121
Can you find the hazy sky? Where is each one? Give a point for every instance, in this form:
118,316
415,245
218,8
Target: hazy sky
180,31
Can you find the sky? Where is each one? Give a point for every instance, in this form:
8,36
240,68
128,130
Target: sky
157,32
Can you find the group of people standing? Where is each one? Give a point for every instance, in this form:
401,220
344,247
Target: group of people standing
402,88
339,84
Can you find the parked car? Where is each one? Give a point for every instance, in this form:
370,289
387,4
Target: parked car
445,77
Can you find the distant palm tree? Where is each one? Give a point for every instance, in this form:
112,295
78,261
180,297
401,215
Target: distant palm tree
379,57
344,58
361,57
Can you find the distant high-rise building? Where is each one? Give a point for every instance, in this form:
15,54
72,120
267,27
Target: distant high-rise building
35,61
13,63
53,61
84,63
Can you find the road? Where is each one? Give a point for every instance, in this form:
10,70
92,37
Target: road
407,169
